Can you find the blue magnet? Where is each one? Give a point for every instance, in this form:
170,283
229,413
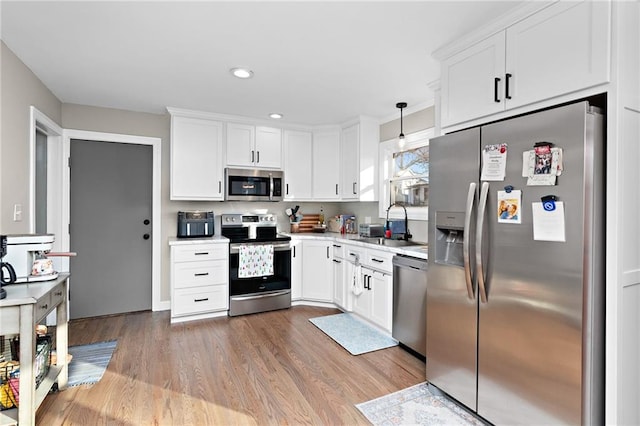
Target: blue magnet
549,202
508,189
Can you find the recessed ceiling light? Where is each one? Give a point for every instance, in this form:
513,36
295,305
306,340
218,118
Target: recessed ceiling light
241,72
275,115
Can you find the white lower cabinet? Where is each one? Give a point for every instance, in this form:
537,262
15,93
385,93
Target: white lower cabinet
296,270
381,288
199,279
317,271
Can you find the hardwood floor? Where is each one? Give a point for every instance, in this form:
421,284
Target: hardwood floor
268,368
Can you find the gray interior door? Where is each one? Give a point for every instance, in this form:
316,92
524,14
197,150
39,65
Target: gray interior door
110,214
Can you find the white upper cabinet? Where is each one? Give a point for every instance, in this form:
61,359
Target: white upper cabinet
326,165
251,146
359,160
560,49
471,81
298,151
350,162
196,159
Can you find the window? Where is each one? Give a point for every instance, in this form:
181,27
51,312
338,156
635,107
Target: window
409,182
404,176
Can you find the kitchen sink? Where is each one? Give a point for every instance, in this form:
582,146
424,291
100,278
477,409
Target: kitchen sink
388,243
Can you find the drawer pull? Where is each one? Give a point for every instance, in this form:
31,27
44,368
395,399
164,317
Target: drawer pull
58,293
202,253
377,260
45,306
201,274
201,300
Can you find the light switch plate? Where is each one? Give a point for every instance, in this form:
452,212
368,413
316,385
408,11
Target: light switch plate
17,212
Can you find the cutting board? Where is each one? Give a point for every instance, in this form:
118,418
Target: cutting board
307,223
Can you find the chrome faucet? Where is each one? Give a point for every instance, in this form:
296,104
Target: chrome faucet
406,235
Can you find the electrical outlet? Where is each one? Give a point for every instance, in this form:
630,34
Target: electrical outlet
367,219
17,212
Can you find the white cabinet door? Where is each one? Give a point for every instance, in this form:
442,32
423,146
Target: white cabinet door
382,300
298,151
362,301
339,288
326,165
268,148
296,269
561,49
350,162
241,145
472,81
196,159
317,273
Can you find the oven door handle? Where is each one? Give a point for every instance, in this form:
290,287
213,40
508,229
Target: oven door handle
261,295
235,248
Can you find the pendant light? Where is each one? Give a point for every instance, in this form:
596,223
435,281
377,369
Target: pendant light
401,141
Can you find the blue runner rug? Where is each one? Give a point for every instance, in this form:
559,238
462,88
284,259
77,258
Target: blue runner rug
352,334
89,362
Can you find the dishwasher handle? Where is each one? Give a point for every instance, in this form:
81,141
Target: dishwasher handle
409,262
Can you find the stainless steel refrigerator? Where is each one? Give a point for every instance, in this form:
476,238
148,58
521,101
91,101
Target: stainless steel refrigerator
515,324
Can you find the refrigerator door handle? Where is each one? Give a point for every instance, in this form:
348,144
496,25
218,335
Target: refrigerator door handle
482,207
465,241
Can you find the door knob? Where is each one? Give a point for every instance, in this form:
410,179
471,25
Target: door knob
146,236
147,221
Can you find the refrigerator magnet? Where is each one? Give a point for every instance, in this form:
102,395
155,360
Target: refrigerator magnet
509,206
494,162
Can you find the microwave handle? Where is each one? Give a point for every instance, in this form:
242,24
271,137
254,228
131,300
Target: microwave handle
270,187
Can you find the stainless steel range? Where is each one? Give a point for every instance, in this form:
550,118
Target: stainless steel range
259,263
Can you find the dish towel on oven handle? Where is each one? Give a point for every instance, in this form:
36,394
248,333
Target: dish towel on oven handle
255,260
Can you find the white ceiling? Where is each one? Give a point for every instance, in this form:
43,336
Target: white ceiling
315,62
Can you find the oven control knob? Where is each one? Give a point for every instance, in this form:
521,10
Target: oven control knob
271,218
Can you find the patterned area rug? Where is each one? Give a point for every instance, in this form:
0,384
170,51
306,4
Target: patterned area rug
416,406
89,362
353,334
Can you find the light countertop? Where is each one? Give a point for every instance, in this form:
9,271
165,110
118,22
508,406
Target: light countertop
216,239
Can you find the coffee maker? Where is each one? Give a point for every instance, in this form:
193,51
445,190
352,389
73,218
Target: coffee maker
7,273
28,255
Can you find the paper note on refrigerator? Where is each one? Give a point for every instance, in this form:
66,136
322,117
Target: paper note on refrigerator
548,225
494,162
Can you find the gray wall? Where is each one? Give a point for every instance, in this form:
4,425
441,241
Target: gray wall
411,123
20,89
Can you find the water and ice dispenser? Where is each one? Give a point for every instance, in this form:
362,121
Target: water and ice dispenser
449,236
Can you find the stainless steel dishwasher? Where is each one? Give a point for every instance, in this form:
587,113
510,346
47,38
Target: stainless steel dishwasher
410,302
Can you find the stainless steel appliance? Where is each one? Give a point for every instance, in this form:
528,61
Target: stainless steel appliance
410,302
257,293
253,185
371,230
195,224
515,325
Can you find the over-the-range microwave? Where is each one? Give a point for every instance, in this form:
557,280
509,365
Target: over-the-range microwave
253,185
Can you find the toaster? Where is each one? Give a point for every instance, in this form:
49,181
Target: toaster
195,224
371,230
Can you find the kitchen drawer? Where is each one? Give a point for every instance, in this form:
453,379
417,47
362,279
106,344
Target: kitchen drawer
198,252
195,274
57,295
338,251
42,307
200,299
351,252
381,260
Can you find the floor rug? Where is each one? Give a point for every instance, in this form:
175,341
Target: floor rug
416,406
89,362
352,334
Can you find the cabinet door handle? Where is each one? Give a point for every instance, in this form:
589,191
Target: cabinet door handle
287,190
368,282
201,300
219,187
252,156
294,251
506,86
496,82
354,188
327,252
336,189
257,156
201,274
201,253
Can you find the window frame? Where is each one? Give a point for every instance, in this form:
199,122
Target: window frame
385,159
